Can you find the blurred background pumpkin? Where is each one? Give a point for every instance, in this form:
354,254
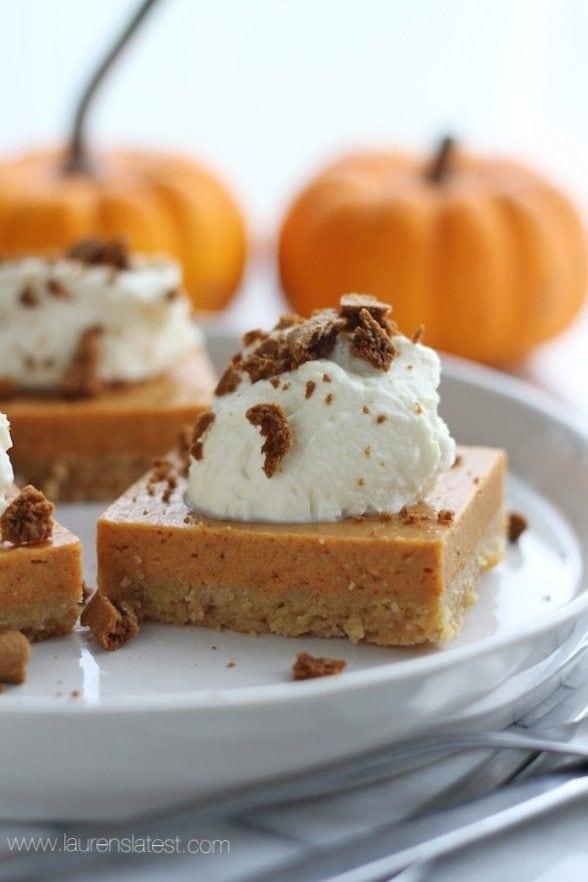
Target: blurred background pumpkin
483,251
158,201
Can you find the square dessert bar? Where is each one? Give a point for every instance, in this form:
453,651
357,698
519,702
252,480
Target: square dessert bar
395,580
41,585
93,448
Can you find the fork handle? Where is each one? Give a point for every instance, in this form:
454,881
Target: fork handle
530,808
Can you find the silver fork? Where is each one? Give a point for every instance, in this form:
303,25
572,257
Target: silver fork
338,780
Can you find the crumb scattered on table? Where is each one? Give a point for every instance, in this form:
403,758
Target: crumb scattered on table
307,666
517,524
112,623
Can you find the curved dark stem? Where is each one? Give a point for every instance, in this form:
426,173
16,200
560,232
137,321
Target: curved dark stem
437,170
76,158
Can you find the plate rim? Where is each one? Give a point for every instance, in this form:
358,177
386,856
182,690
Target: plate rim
251,696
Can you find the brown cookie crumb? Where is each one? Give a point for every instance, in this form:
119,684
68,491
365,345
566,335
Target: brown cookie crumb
327,378
418,408
275,428
15,652
112,622
457,461
183,445
412,516
29,297
271,358
371,342
445,516
328,398
365,409
203,421
57,289
101,252
173,294
254,336
315,337
517,524
381,418
81,379
418,334
310,387
352,305
288,321
228,382
8,387
28,518
307,667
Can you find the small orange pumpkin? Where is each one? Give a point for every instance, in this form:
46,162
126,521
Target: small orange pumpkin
483,251
158,202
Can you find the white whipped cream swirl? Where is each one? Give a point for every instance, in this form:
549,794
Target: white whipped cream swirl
366,441
6,474
46,306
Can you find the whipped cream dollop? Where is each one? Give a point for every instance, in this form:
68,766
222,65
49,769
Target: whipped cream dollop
6,474
310,428
133,309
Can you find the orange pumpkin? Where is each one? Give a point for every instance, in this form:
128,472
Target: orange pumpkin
160,202
483,251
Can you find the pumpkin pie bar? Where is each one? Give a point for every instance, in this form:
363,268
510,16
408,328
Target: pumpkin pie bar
395,580
323,495
101,367
40,561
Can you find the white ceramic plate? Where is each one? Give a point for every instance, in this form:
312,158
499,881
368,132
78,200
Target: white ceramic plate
185,711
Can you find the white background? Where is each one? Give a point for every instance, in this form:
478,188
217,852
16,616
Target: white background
268,89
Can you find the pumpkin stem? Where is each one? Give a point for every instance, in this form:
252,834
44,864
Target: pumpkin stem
76,157
438,168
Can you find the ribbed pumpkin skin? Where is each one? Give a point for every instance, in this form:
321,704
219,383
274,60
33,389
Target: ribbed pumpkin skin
160,202
492,259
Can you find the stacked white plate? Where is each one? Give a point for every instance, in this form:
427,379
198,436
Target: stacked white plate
181,712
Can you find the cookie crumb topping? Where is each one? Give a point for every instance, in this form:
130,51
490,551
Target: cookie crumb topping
445,516
101,252
371,342
28,518
228,382
254,336
57,289
308,667
29,297
271,419
353,304
310,387
517,524
295,341
409,515
314,338
418,334
8,387
81,379
203,421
